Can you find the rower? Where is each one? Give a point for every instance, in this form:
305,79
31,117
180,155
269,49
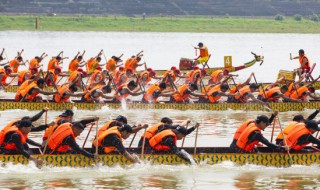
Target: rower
63,140
125,90
112,64
244,125
76,76
35,62
296,119
166,141
195,75
92,63
238,86
251,136
304,63
204,54
15,63
134,64
30,93
155,91
146,76
301,135
54,62
65,92
274,94
117,73
14,140
129,60
303,92
111,140
124,76
171,75
26,75
218,75
184,93
215,93
96,77
77,62
94,95
4,74
52,76
245,93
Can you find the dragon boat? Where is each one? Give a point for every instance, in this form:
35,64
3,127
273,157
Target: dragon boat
282,107
209,156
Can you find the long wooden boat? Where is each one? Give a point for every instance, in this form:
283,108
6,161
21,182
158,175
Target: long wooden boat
282,107
204,156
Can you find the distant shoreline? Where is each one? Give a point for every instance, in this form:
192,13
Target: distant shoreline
159,24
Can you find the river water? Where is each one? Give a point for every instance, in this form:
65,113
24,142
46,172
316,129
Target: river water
163,50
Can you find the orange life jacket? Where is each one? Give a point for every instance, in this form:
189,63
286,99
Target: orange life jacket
233,90
51,128
118,94
103,135
242,142
148,96
127,64
5,76
215,76
89,95
53,63
119,79
243,91
11,146
63,131
211,93
151,131
33,63
204,52
134,64
171,74
301,93
73,75
286,130
61,97
91,65
94,76
307,65
25,93
22,74
14,64
181,96
241,128
111,65
293,136
54,77
290,89
270,92
155,141
74,65
193,74
21,87
144,73
105,127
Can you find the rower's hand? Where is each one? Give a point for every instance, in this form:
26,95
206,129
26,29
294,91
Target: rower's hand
45,109
318,109
275,113
96,118
96,157
197,125
51,123
188,121
145,126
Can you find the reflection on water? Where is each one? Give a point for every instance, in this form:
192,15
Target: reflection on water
217,129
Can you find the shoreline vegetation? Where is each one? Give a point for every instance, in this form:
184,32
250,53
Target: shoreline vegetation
161,24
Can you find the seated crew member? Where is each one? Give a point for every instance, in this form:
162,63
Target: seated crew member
111,140
52,76
245,93
296,119
134,64
112,64
30,93
303,92
251,136
125,90
304,63
170,76
14,140
301,135
274,94
93,63
35,62
5,72
128,61
146,76
238,86
15,63
65,92
76,76
94,95
77,62
26,75
203,56
166,141
124,76
195,76
155,91
215,93
63,140
184,93
54,62
244,125
218,75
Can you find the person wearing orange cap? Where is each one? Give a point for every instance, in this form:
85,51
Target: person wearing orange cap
76,62
4,73
203,56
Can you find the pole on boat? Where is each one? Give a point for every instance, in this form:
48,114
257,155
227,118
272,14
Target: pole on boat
184,137
143,144
274,123
134,136
264,93
195,140
84,143
46,117
285,140
46,143
97,125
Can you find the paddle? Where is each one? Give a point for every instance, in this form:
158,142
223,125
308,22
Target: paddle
112,81
97,136
195,142
84,143
134,136
143,143
284,140
184,137
264,93
274,122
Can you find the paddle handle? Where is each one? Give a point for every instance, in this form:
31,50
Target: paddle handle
274,122
134,136
84,143
97,137
46,144
46,118
284,139
195,142
143,144
184,138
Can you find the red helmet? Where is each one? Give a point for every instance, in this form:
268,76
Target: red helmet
129,69
226,71
173,68
80,70
99,68
195,68
152,73
121,68
177,71
9,70
58,69
149,69
85,74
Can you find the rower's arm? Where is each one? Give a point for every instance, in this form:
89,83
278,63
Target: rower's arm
129,157
314,96
37,116
133,93
39,128
313,115
196,94
255,99
47,93
174,149
75,94
85,122
31,142
15,138
69,140
82,63
258,136
288,98
3,64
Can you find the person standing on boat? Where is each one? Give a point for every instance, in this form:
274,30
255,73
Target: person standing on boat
30,93
203,56
304,63
111,140
14,140
301,135
251,136
296,119
166,141
244,125
63,140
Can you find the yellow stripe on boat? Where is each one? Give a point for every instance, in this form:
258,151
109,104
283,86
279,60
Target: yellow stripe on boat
282,107
265,159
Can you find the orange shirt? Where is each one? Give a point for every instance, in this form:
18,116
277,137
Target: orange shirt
33,63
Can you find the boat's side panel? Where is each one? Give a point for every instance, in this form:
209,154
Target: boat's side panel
265,159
